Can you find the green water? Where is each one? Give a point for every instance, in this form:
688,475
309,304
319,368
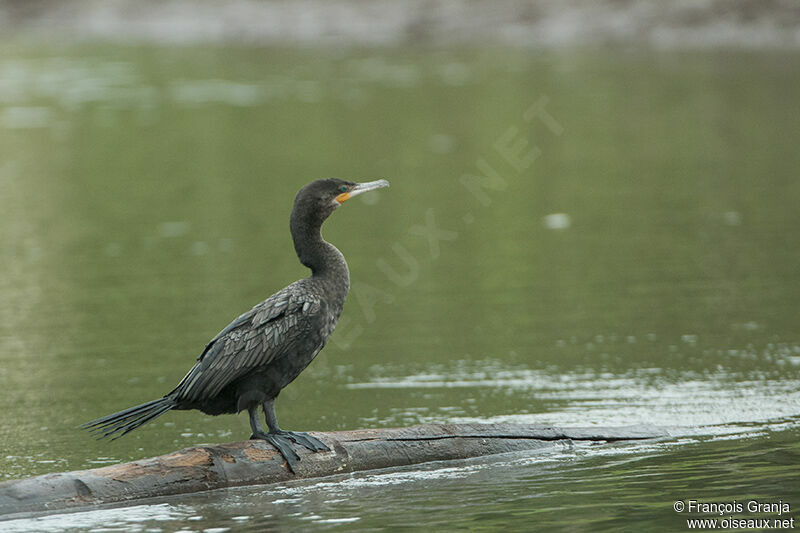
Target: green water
633,259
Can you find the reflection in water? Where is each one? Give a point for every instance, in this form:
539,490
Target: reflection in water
641,268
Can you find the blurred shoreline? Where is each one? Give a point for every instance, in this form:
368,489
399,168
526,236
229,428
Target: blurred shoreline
674,24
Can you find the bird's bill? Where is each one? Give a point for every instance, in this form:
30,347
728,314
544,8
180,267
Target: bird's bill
361,188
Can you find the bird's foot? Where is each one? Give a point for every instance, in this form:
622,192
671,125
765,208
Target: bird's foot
283,442
306,440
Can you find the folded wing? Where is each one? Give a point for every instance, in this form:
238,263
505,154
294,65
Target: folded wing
266,332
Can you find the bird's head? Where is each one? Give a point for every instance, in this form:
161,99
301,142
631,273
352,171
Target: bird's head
321,197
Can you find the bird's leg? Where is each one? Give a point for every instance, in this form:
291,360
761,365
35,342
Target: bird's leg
255,423
280,439
280,442
269,416
303,439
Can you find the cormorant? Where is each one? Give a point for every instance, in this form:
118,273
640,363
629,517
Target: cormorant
248,363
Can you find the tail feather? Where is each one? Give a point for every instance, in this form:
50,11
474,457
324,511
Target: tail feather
122,429
119,424
128,423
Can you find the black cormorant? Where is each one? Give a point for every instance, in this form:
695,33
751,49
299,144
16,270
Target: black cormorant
248,363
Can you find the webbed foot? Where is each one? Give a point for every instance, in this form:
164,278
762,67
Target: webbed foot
284,441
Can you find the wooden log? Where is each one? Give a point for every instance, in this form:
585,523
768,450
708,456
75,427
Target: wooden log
256,462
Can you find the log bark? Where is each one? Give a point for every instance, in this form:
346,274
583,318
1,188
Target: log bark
256,462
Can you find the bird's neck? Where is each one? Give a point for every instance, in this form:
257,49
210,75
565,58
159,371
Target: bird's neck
324,259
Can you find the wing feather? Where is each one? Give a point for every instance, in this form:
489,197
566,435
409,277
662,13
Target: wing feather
254,339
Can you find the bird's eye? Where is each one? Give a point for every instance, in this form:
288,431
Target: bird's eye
343,188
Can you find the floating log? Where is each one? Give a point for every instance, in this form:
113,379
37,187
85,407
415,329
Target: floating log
256,462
